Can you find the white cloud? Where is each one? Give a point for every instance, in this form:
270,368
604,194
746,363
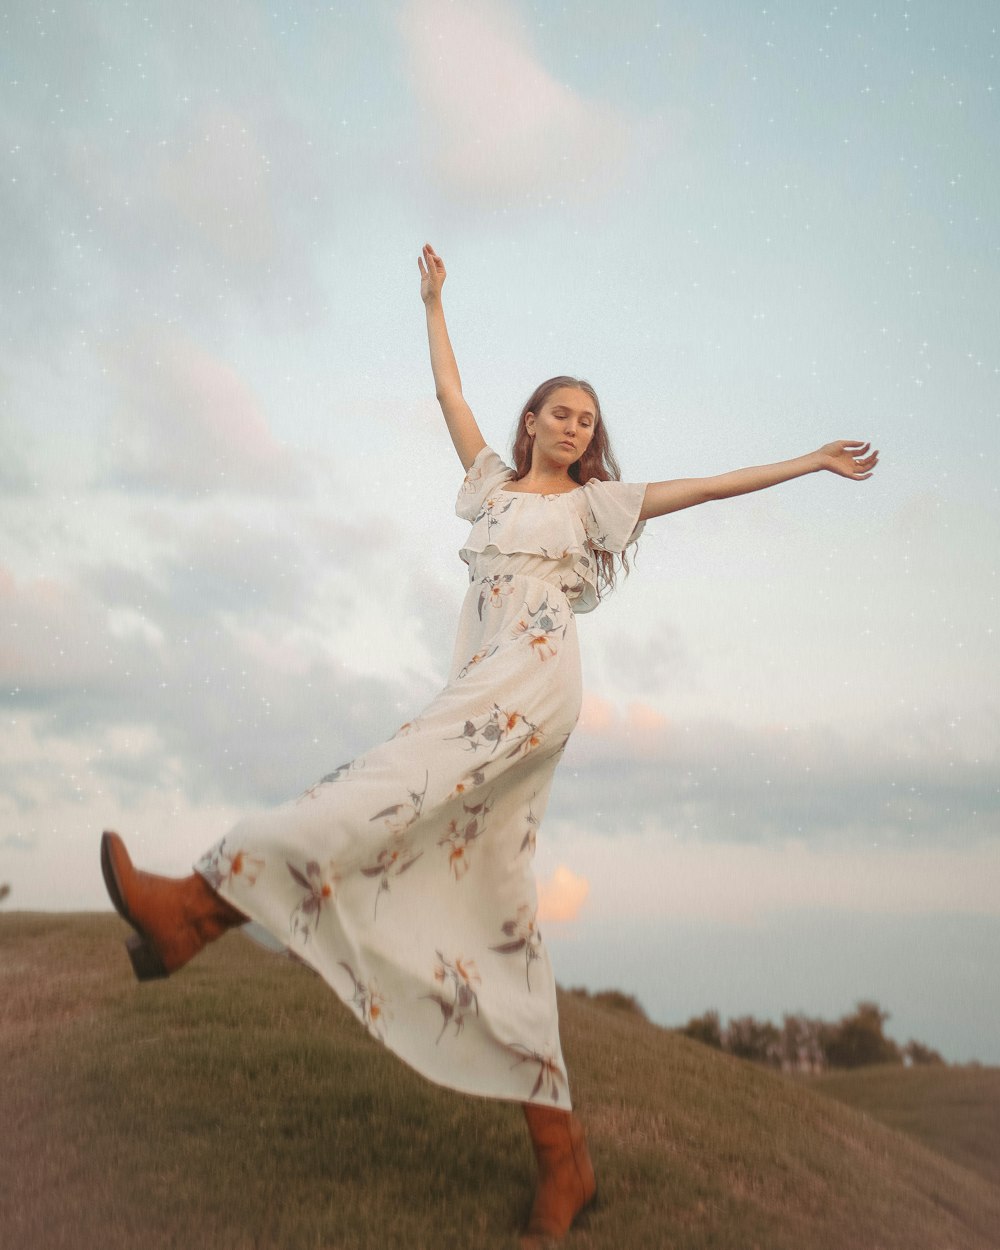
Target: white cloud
221,184
500,126
910,779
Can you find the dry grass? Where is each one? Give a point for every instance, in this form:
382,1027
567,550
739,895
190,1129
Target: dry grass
238,1106
955,1111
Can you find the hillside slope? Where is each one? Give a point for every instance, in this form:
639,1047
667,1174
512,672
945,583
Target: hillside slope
238,1105
955,1111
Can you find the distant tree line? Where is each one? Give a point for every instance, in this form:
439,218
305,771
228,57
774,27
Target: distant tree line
617,1000
803,1044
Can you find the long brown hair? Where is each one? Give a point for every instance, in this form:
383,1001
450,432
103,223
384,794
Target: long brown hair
598,461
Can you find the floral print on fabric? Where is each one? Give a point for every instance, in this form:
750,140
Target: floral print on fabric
319,888
404,876
220,866
458,997
500,727
550,1071
370,1004
554,536
461,833
523,935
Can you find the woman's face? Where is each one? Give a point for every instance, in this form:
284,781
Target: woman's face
564,425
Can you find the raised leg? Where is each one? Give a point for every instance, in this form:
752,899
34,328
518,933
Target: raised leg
173,917
566,1181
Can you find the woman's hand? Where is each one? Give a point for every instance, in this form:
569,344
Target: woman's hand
432,274
849,459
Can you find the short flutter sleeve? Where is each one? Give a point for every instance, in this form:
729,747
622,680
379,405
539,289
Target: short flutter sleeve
611,513
485,474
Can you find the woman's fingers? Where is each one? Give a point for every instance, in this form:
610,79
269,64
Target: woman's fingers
429,261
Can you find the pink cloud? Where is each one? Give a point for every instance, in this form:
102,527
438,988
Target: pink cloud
51,634
497,121
188,422
641,721
561,897
597,715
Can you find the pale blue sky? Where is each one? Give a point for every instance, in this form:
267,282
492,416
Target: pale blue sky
228,555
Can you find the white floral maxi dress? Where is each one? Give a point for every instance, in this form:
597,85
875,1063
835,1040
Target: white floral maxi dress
405,876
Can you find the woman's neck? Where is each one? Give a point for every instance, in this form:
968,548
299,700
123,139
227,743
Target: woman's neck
553,483
547,477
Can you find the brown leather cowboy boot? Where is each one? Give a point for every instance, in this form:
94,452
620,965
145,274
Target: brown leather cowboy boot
173,917
565,1174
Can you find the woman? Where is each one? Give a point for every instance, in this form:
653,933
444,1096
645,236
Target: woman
404,877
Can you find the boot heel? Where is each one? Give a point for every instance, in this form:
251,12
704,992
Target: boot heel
146,960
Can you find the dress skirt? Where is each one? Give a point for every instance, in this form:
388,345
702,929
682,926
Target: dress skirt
404,877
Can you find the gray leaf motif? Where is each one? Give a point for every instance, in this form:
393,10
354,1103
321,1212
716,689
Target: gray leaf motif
460,976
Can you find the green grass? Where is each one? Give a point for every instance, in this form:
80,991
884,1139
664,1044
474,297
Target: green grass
239,1106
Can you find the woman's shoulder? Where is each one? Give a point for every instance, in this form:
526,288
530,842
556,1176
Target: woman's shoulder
610,511
486,472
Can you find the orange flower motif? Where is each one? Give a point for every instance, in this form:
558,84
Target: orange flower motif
461,832
466,969
468,783
371,1004
246,866
541,645
220,866
543,628
319,888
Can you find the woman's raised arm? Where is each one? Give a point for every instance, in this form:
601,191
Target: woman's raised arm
462,427
849,458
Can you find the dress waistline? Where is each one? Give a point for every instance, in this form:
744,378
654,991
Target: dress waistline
495,581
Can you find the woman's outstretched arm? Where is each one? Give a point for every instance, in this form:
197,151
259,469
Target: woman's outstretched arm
462,427
849,458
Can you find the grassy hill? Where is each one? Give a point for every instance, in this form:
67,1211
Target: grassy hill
239,1106
955,1111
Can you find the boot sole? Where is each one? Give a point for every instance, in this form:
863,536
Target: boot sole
529,1240
147,963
